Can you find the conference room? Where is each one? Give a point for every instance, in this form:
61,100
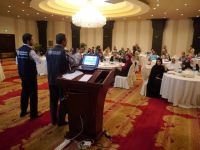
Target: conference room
100,74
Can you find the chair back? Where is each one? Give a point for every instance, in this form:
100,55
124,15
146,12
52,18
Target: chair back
131,73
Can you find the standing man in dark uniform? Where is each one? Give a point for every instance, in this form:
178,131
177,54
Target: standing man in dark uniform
26,58
57,64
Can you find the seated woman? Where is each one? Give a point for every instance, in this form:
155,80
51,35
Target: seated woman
164,54
124,70
101,56
155,78
114,57
153,55
191,51
183,57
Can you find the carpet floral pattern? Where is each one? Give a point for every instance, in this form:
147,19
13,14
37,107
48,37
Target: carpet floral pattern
133,121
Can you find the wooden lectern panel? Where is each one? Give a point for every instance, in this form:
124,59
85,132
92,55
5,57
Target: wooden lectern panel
86,103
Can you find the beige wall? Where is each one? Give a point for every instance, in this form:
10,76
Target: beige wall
18,27
91,37
59,27
128,33
178,36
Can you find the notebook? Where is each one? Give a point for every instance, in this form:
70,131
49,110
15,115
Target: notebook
89,62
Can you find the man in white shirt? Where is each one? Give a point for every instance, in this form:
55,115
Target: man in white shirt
173,65
27,59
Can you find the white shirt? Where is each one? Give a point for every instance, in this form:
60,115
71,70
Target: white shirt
173,66
33,55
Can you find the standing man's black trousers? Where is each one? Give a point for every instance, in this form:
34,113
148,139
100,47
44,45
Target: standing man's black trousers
55,95
29,90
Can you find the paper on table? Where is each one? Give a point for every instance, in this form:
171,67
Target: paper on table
86,77
71,76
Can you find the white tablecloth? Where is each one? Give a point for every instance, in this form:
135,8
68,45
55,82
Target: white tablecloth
143,58
108,65
2,76
196,61
181,91
42,68
147,68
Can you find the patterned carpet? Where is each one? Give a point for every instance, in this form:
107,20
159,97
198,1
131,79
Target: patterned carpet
133,121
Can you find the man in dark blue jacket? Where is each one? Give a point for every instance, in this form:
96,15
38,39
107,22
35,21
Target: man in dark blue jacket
27,59
57,64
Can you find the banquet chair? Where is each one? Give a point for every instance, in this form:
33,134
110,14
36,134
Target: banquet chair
126,82
145,81
2,76
136,63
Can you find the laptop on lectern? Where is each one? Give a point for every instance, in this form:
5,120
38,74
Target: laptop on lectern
89,62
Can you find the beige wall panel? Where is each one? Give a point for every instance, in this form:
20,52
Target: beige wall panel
145,37
168,36
99,37
131,33
90,38
182,35
69,35
83,35
119,34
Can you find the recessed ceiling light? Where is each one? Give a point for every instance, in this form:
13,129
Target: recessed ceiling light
9,6
199,10
164,17
165,13
37,13
197,16
152,15
181,14
23,2
18,16
45,17
22,10
185,4
157,5
154,8
27,14
8,11
177,9
52,15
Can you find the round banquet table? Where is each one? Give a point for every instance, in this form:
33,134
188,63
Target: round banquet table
42,67
181,91
109,65
196,61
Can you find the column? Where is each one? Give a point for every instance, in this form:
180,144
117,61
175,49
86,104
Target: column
107,34
158,29
196,35
75,36
42,33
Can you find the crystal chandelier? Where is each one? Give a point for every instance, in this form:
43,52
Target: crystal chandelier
89,17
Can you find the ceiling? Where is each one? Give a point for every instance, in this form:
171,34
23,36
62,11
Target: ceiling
173,9
106,7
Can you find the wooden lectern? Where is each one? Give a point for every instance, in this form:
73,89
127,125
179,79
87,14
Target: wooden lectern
86,103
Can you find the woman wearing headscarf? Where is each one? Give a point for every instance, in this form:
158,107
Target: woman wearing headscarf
124,70
155,78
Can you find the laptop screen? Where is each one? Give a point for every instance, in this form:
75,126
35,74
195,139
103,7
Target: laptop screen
91,60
